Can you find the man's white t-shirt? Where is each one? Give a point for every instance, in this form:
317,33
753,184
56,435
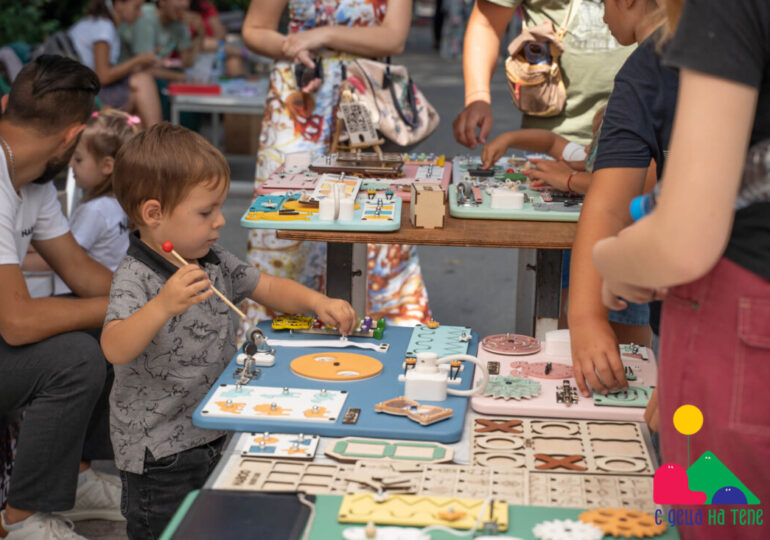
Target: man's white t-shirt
88,31
33,214
100,226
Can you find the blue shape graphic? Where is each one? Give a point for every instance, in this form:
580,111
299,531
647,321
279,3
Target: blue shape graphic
729,495
266,450
319,397
234,393
306,442
281,395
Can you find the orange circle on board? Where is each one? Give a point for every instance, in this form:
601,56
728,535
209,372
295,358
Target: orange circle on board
336,366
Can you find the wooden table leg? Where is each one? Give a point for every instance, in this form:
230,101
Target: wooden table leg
346,274
547,291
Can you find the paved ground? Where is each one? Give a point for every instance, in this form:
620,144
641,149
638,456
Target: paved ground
469,286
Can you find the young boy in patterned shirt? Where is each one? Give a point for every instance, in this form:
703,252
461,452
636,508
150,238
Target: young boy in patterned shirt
167,336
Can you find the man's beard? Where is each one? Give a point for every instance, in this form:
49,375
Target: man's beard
56,165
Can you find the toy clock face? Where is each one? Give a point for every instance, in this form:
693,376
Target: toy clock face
336,366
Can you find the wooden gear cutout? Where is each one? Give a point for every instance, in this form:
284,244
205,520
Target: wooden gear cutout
423,414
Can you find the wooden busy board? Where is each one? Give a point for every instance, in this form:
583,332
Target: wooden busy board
280,400
284,211
295,175
506,174
641,367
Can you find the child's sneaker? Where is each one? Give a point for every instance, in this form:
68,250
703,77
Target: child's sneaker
42,526
98,497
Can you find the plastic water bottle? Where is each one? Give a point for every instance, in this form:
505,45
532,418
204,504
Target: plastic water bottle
755,184
643,204
220,61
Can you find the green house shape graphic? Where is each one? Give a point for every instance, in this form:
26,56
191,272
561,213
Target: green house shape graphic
710,475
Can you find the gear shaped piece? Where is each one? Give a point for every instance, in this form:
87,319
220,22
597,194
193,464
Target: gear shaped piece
623,522
510,387
567,529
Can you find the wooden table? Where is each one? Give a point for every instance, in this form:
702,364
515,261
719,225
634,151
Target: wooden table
346,267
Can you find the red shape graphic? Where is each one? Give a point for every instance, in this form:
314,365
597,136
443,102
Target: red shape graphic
670,486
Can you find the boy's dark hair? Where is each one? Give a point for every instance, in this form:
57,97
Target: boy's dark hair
50,93
164,163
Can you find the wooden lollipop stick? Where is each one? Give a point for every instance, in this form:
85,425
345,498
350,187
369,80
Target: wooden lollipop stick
168,247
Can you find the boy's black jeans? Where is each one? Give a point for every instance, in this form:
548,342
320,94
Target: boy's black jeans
149,500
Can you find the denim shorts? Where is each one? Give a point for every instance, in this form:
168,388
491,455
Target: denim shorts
634,314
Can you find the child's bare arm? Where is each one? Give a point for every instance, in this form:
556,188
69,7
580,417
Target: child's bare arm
287,296
595,356
123,340
541,141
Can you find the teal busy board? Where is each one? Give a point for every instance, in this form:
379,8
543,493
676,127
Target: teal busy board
332,391
381,213
470,195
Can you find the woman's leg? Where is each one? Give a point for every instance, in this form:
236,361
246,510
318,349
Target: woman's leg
145,99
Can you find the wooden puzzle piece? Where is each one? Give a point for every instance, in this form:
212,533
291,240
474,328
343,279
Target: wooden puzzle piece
354,449
538,445
500,479
423,414
623,522
257,474
541,370
493,425
513,344
416,510
635,396
621,464
555,462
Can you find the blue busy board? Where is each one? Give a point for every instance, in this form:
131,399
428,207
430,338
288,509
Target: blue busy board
506,174
277,399
284,211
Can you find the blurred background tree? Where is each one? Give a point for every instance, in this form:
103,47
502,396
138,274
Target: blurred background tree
32,21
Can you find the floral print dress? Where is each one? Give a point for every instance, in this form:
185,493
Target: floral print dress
297,122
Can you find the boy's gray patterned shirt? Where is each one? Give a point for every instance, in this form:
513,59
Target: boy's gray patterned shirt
155,394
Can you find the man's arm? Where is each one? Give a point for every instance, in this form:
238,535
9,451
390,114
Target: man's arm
486,26
86,277
26,320
604,213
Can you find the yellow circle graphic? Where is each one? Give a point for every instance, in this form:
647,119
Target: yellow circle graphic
688,419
